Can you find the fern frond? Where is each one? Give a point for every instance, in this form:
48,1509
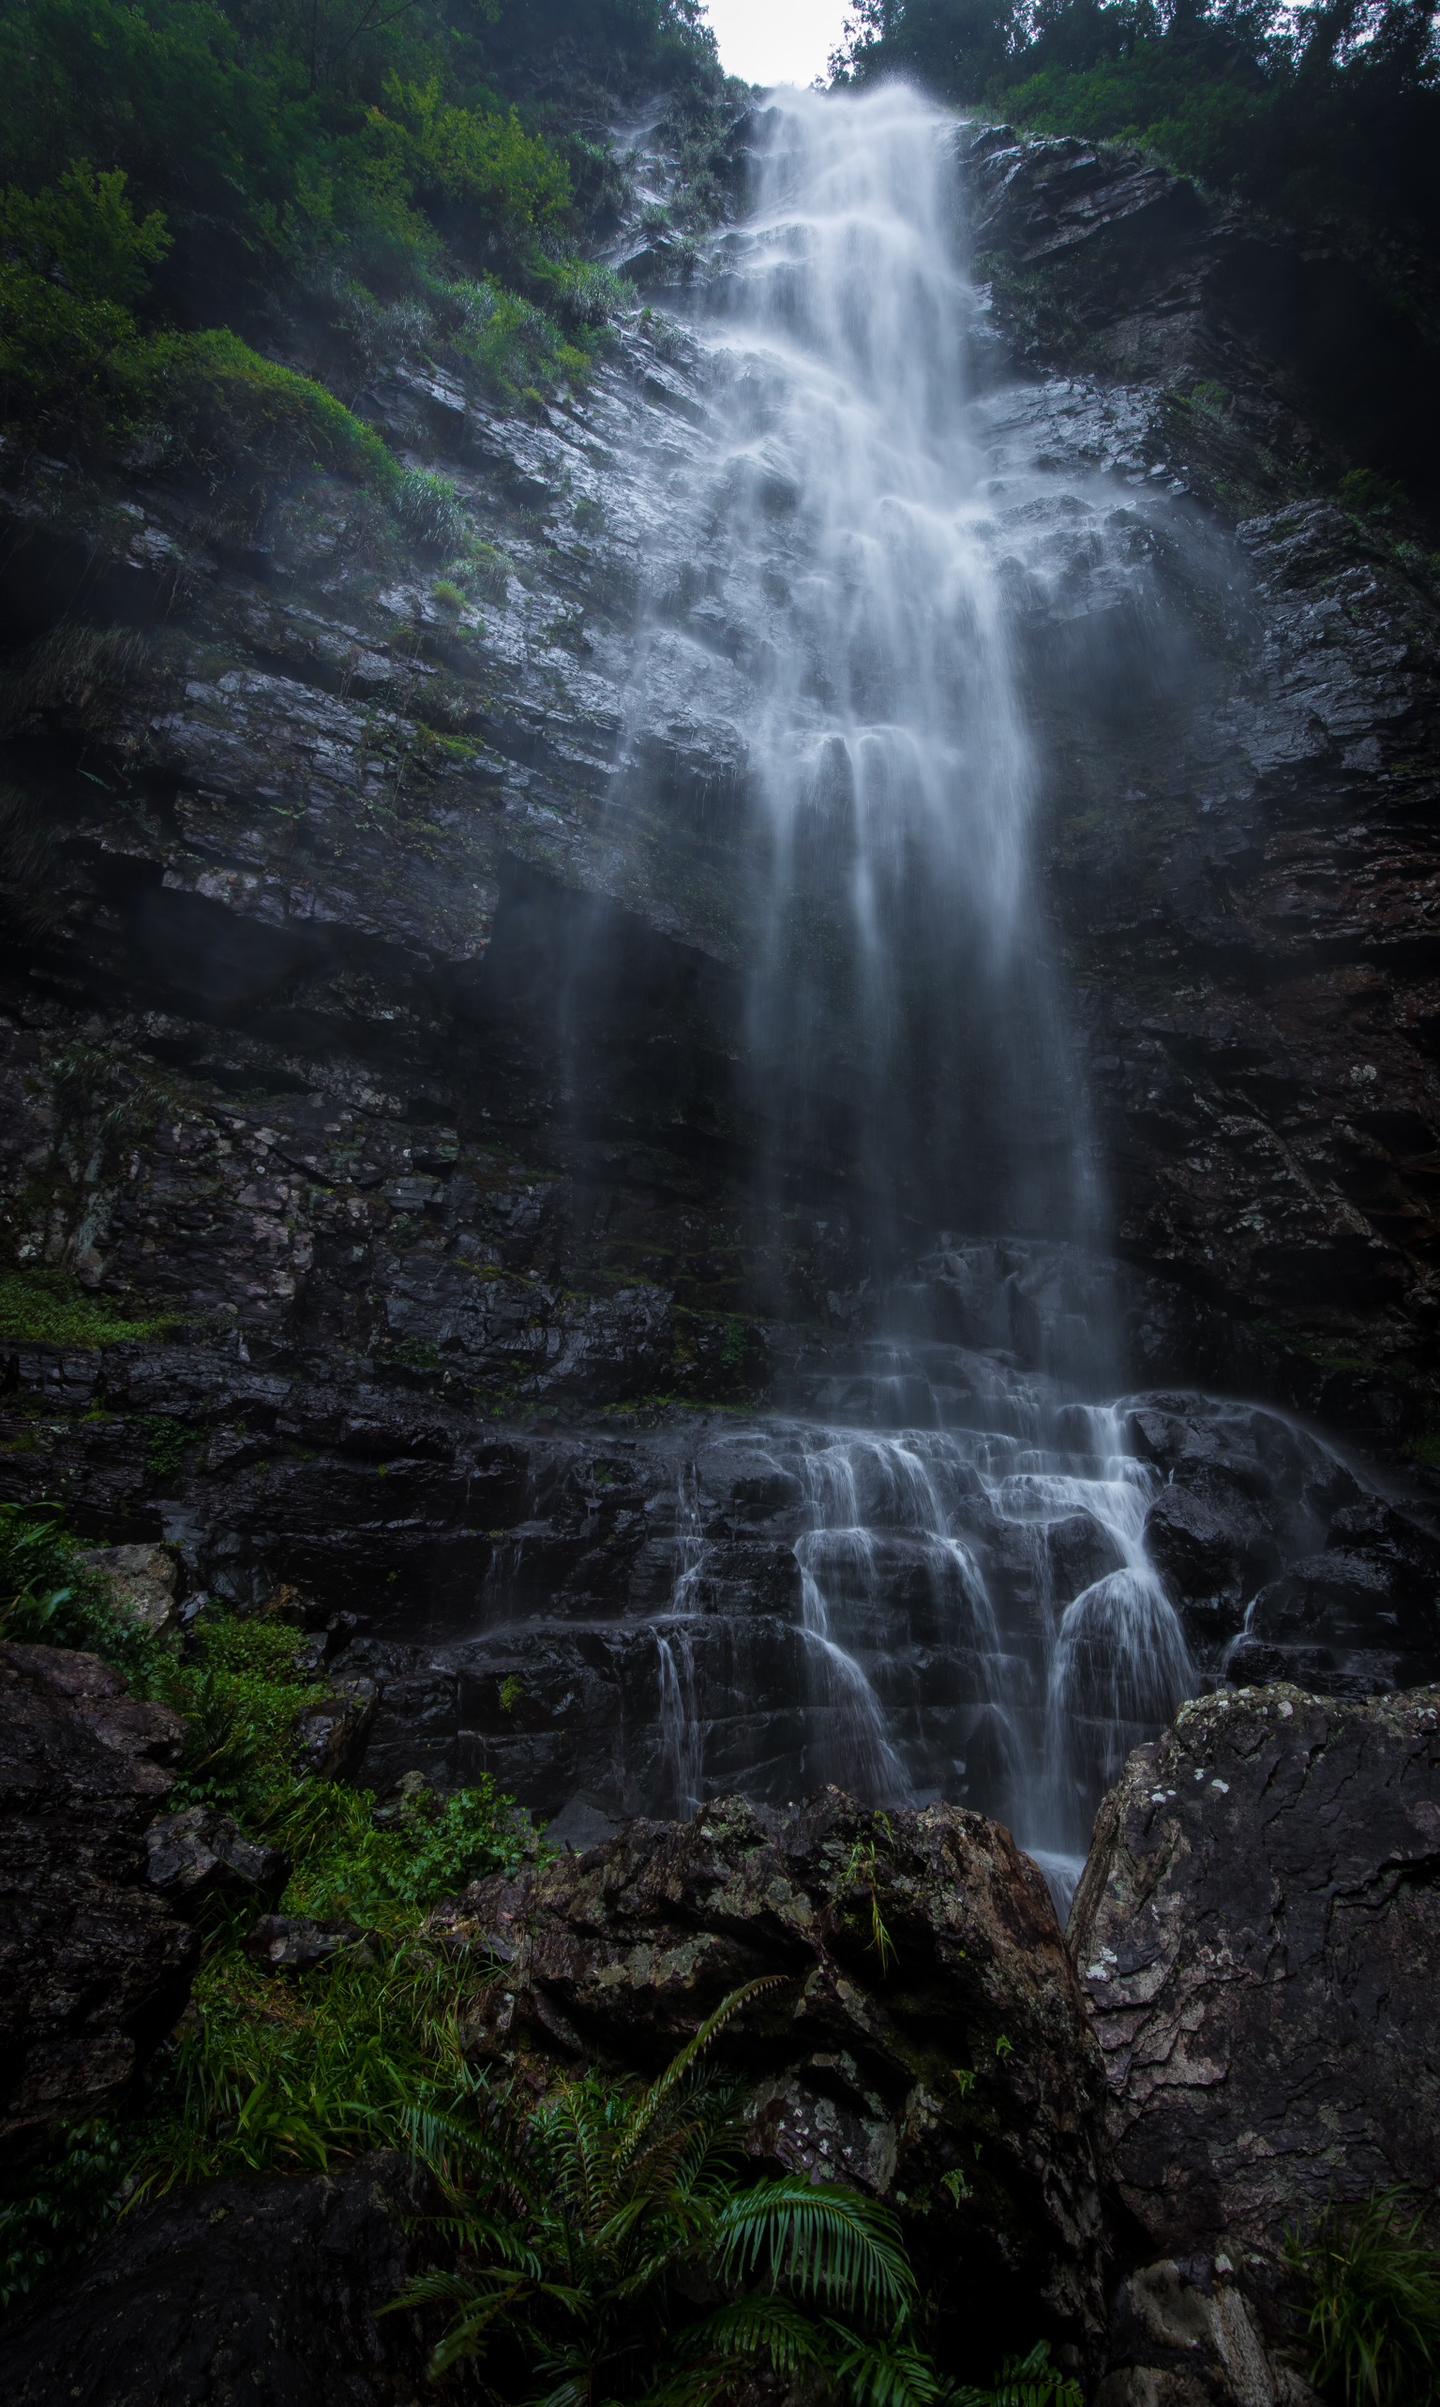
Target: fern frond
574,2391
763,2326
1030,2381
675,2071
473,2311
886,2373
825,2243
474,2231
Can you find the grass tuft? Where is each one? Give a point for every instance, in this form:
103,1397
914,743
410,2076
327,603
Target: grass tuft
1372,2281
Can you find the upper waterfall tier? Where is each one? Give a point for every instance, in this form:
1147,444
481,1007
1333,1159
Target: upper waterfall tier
834,586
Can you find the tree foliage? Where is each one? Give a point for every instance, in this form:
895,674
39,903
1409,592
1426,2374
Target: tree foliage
180,177
1327,113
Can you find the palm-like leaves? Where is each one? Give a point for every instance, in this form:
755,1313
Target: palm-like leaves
585,2226
1025,2382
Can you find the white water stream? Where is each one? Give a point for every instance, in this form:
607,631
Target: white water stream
975,1611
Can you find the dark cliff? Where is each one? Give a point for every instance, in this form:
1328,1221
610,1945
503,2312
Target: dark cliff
372,1043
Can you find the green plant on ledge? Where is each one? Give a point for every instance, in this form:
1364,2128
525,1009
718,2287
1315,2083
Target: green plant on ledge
1372,2283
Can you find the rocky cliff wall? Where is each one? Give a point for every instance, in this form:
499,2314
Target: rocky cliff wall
372,1018
1241,809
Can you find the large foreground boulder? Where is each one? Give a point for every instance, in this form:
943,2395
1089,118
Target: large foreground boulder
927,2041
1258,1931
94,1967
240,2293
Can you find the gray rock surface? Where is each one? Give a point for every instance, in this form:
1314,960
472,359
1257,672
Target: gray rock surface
94,1967
1235,818
375,1022
261,2293
1258,1931
197,1854
144,1582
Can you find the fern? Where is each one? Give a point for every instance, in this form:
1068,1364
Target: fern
1025,2382
825,2243
577,2232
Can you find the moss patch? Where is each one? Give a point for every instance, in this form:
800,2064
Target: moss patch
46,1308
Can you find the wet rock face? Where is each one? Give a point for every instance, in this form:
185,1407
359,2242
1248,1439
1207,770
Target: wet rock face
381,1020
1238,777
235,2292
1282,1562
94,1967
1257,1932
926,2042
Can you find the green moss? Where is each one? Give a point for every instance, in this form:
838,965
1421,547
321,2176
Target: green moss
169,1445
415,1354
48,1308
219,398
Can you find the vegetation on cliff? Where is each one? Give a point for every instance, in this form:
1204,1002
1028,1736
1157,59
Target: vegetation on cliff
585,2234
1325,114
190,187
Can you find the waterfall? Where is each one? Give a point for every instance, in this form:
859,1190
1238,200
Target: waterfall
902,1010
834,560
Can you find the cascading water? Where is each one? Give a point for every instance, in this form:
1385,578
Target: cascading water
973,1612
901,1010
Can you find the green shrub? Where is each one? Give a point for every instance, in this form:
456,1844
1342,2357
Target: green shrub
351,1864
447,594
74,259
242,1694
342,160
294,2074
481,159
53,2207
584,294
1372,2285
84,231
50,1597
264,2073
515,345
429,508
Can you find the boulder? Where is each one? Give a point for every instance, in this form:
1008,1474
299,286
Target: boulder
94,1967
925,2041
241,2293
291,1943
1344,1622
144,1582
330,1733
1258,1931
193,1856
